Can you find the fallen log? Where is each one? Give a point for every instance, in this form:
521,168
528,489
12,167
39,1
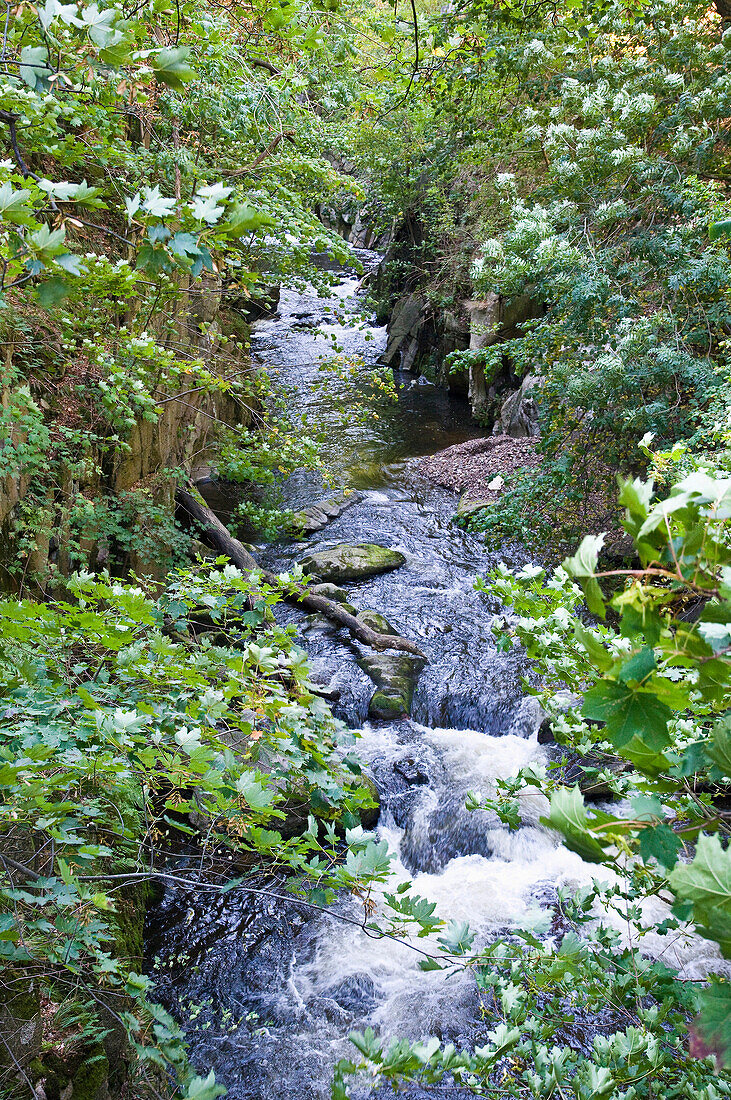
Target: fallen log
195,507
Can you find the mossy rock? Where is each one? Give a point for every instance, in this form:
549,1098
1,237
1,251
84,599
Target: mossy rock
91,1080
376,622
387,708
21,1024
352,562
392,673
469,506
330,592
395,679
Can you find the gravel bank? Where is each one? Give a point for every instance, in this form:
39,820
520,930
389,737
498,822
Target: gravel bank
470,467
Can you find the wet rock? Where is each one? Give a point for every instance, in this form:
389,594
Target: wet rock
322,512
376,622
403,805
199,549
395,679
388,670
581,771
574,769
352,562
403,327
326,691
562,702
387,708
518,416
412,770
309,521
493,320
356,993
330,591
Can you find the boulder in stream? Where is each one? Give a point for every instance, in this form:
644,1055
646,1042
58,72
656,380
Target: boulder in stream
330,591
395,679
376,622
352,562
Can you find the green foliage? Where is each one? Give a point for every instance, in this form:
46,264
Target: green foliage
654,688
145,202
129,735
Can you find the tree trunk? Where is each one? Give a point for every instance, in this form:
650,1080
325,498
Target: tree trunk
224,541
723,7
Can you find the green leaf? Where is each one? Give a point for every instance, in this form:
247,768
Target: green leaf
568,816
457,937
33,68
706,882
660,843
87,698
184,245
429,964
171,67
719,749
636,496
582,565
711,1030
204,1088
255,792
599,656
716,230
243,218
13,206
52,291
629,712
639,666
646,760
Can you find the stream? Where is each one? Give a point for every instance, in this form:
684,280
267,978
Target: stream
267,990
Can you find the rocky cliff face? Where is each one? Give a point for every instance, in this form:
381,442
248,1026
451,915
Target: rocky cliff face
420,338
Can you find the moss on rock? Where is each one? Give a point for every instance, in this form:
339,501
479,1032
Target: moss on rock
386,708
352,562
376,621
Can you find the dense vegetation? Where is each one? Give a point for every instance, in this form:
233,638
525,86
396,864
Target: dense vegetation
165,166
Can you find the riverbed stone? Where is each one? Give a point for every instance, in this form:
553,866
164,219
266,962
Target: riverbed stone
309,521
352,562
318,515
395,678
469,505
330,591
376,622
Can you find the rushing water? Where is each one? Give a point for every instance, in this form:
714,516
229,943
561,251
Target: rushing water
267,990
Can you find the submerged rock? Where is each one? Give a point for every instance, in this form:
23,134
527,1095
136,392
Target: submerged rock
352,562
320,514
